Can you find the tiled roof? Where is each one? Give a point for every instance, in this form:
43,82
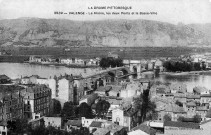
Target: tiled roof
206,95
193,96
101,131
113,128
145,128
137,132
10,88
191,104
74,123
179,95
201,108
3,123
182,124
104,88
4,77
175,108
114,101
199,89
96,124
160,90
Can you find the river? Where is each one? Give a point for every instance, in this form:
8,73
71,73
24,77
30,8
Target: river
16,70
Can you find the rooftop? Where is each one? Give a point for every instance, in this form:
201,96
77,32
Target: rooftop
201,108
193,96
191,104
115,128
96,124
104,88
10,88
137,132
182,124
145,128
4,77
34,88
206,95
175,108
101,131
200,89
76,123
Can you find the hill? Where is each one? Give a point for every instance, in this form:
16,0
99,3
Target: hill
36,32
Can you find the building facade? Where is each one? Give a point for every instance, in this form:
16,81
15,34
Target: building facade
37,100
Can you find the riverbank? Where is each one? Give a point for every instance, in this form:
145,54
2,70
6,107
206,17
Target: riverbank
13,59
65,65
187,73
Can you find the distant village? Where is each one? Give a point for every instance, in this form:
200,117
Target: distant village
111,99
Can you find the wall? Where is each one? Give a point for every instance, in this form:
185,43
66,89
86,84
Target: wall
53,121
63,91
118,114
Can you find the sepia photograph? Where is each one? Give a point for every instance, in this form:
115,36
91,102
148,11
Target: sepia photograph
105,67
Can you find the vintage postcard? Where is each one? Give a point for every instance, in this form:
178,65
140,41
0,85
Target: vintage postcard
105,67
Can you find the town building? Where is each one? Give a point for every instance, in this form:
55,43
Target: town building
11,104
53,121
3,128
205,99
178,88
102,131
175,111
125,116
73,124
4,79
37,100
200,90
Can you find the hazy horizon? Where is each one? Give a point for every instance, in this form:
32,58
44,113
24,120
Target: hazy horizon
170,11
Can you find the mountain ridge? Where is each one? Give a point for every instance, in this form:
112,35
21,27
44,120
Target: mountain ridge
39,32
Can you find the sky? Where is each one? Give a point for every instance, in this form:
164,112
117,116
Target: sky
172,11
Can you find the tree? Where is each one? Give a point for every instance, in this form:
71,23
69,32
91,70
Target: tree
179,103
197,118
181,119
167,117
85,110
68,110
145,107
109,61
102,107
18,126
55,107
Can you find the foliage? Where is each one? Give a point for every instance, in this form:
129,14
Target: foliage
68,110
183,66
21,127
55,107
167,117
41,130
102,107
181,119
109,61
84,110
18,126
197,118
179,103
145,107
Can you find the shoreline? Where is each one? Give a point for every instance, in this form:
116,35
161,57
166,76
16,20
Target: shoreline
186,73
65,65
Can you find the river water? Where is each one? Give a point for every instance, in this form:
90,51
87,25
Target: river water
16,70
